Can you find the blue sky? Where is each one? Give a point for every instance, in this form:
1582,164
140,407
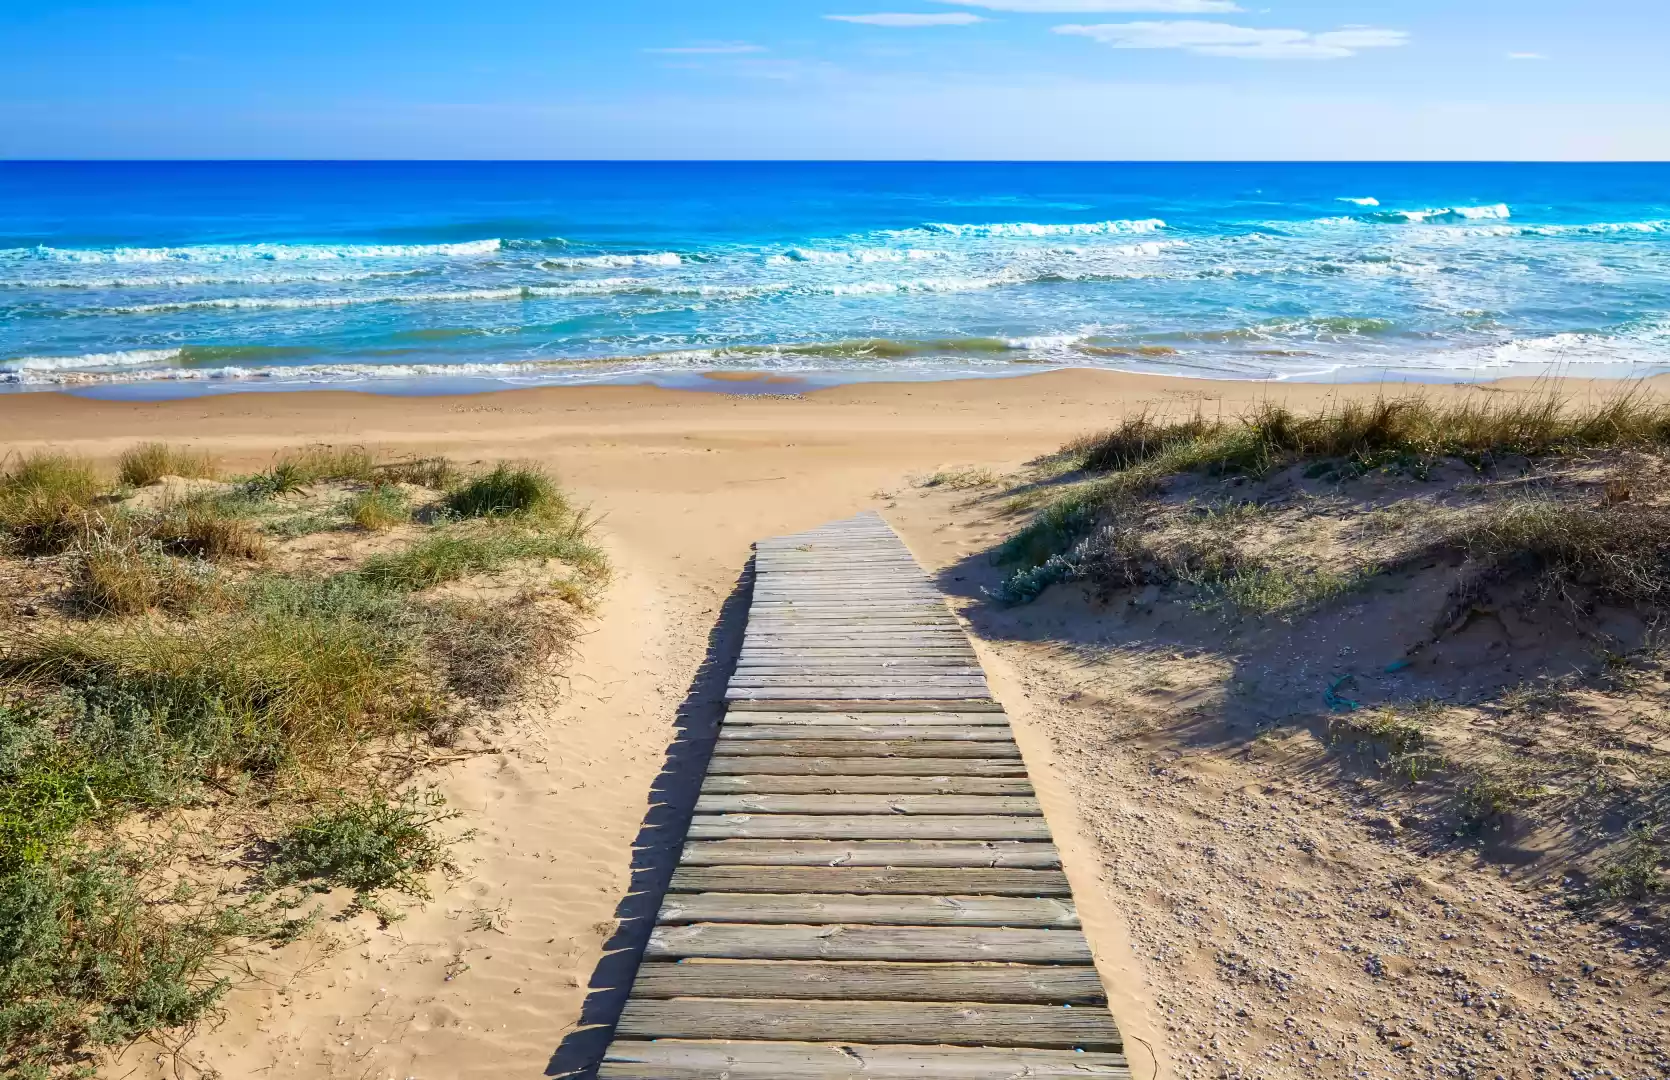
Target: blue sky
1055,79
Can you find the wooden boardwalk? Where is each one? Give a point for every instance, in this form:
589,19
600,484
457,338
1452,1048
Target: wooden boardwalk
868,888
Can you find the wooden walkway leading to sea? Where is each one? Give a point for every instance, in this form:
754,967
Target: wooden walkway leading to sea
869,888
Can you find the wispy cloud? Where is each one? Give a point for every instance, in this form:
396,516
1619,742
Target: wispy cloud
1224,39
1526,56
1066,7
901,18
710,48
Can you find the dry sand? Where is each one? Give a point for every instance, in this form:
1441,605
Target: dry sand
490,978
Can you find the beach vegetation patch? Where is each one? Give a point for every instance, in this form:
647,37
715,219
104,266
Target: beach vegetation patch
186,655
460,551
381,507
367,844
148,463
509,489
47,500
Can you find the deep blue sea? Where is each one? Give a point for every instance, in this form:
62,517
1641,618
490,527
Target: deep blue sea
408,275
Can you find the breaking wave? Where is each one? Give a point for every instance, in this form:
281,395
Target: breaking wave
1442,216
220,253
1027,228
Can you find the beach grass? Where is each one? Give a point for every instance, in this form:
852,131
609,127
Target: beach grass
47,500
1083,519
192,668
148,463
460,551
509,489
380,507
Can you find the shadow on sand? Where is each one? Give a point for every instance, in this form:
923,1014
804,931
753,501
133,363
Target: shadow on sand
656,849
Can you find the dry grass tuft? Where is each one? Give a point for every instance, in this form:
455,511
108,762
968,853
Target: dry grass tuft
148,463
380,507
118,573
962,479
489,650
207,529
46,501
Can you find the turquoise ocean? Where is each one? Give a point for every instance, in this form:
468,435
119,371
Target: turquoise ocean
160,278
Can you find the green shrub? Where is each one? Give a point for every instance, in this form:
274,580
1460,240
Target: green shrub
89,961
368,845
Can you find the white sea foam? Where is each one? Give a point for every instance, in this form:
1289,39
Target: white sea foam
132,358
178,280
858,255
1444,215
1368,200
589,262
1027,228
219,253
518,292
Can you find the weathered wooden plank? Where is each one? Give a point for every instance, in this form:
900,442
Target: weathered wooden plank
867,732
922,944
1021,855
1045,1027
866,785
871,678
873,766
865,827
928,881
847,669
855,693
943,719
673,1060
960,650
888,706
810,980
925,747
903,805
890,910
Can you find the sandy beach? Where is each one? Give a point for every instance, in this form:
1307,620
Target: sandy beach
491,977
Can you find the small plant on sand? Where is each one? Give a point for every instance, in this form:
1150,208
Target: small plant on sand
284,478
962,479
149,462
378,508
1640,869
368,844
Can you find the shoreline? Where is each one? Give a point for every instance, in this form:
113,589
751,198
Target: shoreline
1047,406
765,382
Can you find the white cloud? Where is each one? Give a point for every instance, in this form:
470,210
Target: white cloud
948,18
1062,7
1224,39
711,48
1526,56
